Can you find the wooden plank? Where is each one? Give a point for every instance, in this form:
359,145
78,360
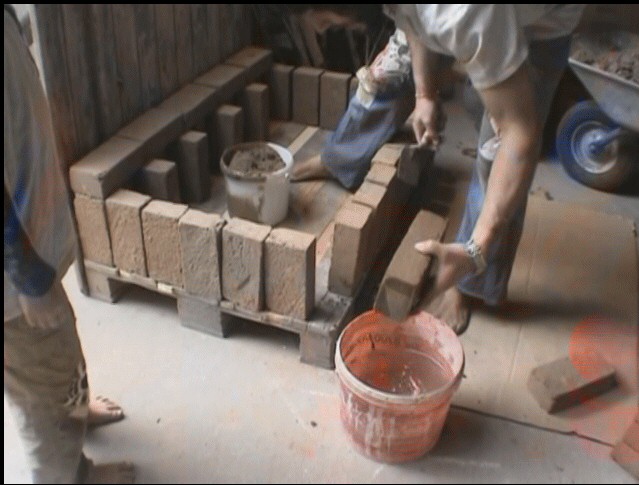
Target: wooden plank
226,41
127,61
200,37
166,49
147,55
184,43
214,34
104,67
75,20
284,132
56,76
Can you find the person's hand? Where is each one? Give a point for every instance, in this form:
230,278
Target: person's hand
428,121
454,263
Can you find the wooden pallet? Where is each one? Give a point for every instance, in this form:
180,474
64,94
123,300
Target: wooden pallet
313,206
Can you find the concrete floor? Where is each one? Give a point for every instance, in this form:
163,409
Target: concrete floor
244,409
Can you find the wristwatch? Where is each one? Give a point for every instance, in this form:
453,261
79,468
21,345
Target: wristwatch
474,251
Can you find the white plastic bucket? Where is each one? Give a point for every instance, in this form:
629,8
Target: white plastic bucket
258,198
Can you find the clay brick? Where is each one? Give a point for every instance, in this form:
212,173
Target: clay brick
191,154
388,154
560,384
230,126
162,241
631,438
350,262
289,270
377,198
334,88
255,61
404,277
381,174
194,102
243,263
93,228
280,84
107,168
159,179
200,243
306,86
155,129
227,81
255,102
125,227
627,458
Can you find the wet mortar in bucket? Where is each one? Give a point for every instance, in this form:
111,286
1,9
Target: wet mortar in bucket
397,382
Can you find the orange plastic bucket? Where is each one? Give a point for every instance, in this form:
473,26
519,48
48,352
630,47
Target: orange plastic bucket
397,381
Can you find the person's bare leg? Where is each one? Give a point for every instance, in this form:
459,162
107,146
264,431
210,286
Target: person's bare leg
103,411
118,472
453,308
309,169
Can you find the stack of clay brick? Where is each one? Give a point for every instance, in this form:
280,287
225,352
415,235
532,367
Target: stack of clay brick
131,192
367,220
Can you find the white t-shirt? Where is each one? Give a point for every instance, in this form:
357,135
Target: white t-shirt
489,40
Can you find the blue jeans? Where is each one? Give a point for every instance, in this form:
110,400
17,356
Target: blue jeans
364,129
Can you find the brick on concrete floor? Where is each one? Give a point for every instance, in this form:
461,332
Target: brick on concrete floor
255,61
230,126
627,458
631,438
289,272
155,129
255,102
350,262
334,89
243,263
107,168
93,228
194,102
403,281
306,88
280,81
162,241
201,244
389,154
567,382
124,213
227,81
191,154
159,179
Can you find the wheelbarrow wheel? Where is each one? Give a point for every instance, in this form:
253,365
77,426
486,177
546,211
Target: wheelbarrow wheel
606,169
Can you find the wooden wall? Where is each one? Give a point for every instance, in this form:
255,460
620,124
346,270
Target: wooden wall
105,64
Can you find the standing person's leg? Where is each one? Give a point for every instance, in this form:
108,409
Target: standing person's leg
548,60
46,387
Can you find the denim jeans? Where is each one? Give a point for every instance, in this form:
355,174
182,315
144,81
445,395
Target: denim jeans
368,124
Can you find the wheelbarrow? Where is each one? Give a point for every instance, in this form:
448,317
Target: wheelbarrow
597,140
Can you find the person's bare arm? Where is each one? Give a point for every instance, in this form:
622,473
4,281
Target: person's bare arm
511,105
428,116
